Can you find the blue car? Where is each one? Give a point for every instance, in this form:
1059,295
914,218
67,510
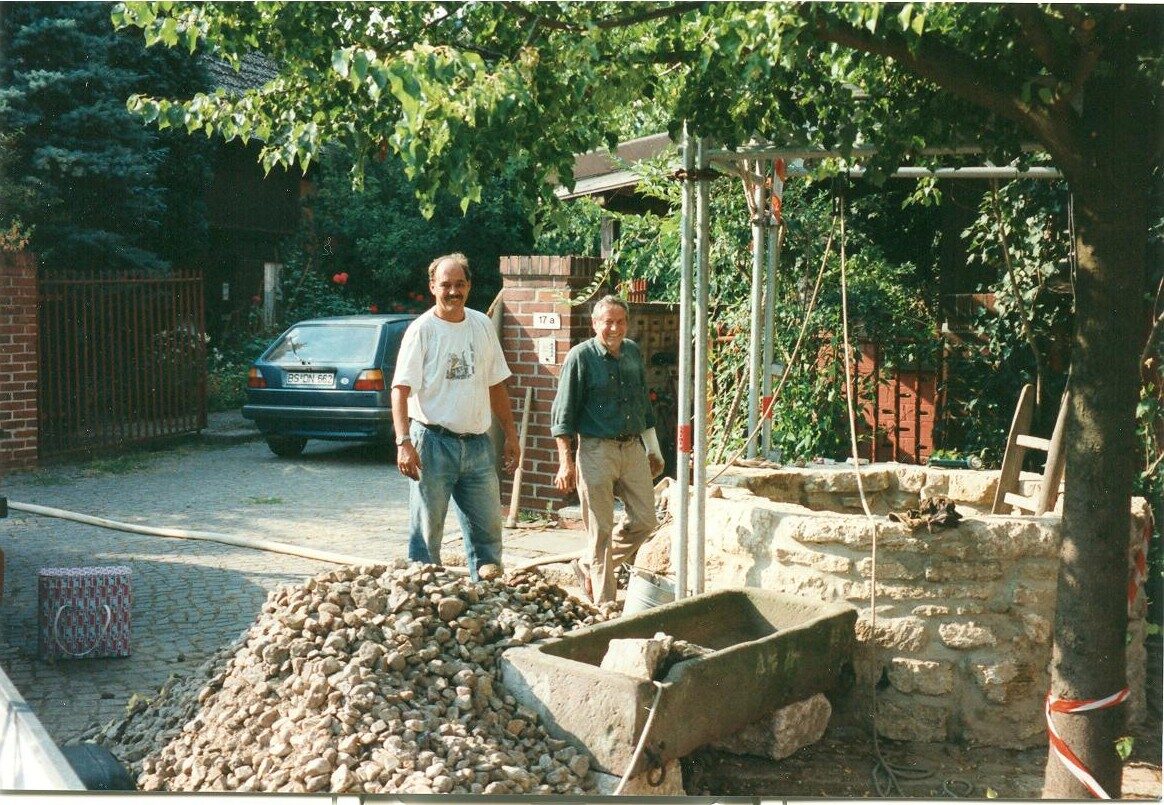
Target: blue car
327,379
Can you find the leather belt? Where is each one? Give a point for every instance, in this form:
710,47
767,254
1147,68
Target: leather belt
629,437
443,431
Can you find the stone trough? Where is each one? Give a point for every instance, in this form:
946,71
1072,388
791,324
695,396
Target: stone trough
766,650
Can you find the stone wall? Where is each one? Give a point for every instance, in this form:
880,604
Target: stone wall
961,641
18,362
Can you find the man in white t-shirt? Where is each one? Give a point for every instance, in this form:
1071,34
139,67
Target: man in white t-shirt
450,377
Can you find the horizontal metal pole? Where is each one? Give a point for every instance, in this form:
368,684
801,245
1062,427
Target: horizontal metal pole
767,151
984,172
909,172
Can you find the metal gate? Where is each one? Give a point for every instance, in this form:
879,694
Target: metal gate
122,361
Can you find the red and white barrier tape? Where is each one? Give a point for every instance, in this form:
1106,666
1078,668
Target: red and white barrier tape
1055,704
1068,758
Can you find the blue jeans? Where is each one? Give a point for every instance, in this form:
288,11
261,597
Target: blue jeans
466,470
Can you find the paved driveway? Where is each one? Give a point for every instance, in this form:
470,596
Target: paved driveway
192,597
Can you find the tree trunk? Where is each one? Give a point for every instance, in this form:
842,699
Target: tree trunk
1112,192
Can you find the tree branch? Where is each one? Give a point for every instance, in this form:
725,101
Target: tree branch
1092,44
1084,65
646,16
943,66
544,22
1033,26
1074,17
963,77
608,22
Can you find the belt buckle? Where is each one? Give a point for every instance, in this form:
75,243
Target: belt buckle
450,433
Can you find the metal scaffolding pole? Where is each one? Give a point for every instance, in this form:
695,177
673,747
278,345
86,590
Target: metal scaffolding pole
759,224
683,427
773,223
702,280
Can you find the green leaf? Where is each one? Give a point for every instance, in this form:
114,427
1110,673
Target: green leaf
903,16
169,32
1124,746
360,62
341,62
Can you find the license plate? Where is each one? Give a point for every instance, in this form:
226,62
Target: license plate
311,378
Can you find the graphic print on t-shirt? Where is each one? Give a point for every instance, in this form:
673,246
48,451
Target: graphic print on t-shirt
462,366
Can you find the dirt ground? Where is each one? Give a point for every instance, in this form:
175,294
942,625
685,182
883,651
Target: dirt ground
842,766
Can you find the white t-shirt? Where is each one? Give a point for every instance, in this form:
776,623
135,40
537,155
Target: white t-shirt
449,367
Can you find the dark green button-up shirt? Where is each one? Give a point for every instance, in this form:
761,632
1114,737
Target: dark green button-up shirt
600,395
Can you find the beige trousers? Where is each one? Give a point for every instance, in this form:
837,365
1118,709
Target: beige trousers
608,469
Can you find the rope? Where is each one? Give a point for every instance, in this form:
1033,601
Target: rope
849,372
767,412
642,741
887,777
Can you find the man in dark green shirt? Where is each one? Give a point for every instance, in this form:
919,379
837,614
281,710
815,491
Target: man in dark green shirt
602,403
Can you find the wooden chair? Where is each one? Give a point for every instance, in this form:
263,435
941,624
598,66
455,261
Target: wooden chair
1018,443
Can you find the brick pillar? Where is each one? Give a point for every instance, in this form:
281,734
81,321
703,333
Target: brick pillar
531,286
18,362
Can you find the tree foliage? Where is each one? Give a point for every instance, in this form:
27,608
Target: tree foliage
1021,238
98,189
441,84
380,239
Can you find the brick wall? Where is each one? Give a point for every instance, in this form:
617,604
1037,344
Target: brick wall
18,362
544,285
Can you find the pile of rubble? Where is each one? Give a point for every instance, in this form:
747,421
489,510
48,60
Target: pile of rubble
364,680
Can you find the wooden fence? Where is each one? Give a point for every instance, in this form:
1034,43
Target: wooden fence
903,409
122,361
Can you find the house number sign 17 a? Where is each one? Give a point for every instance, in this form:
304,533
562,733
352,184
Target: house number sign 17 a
547,321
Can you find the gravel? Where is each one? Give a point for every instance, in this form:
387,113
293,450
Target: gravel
377,679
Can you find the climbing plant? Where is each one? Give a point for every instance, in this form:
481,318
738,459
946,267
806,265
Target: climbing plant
889,303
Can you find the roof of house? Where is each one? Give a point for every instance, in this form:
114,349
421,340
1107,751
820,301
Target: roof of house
597,172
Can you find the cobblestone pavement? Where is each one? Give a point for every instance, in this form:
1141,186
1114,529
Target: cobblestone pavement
192,597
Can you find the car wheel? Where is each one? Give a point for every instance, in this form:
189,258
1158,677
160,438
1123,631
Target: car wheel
286,446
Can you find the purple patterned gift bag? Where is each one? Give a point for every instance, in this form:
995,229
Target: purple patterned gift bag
84,611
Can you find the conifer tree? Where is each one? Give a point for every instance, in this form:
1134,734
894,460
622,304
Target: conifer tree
99,190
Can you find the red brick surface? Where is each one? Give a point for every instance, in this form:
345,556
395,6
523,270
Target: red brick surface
18,362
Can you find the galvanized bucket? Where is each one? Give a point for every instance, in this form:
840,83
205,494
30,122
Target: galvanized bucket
646,590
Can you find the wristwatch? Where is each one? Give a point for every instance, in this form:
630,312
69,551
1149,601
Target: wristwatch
402,439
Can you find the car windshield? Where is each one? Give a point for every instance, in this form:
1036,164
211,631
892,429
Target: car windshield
326,344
